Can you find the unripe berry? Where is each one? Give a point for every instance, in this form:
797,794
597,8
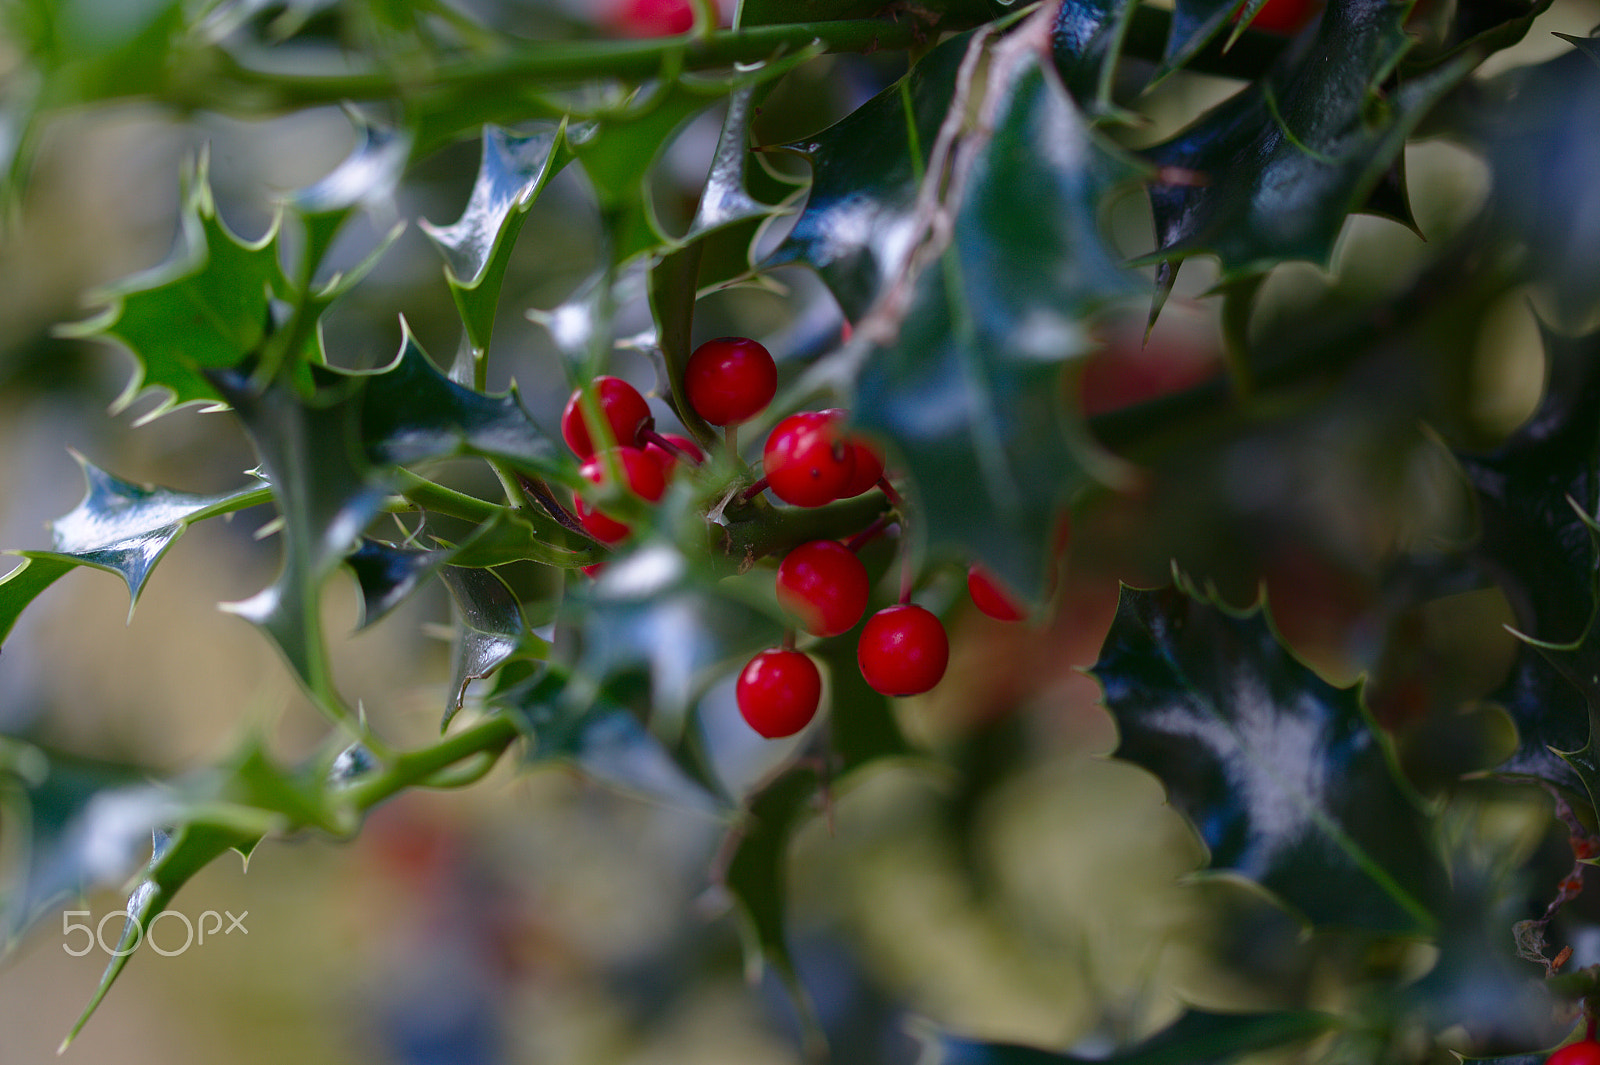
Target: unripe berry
1586,1052
903,650
866,468
644,478
825,586
730,380
806,461
625,409
990,597
778,692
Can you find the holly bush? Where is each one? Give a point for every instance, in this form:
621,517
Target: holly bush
1234,314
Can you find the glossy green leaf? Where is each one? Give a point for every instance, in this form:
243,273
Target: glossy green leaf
477,247
598,734
1543,147
1194,24
389,574
1086,42
653,612
327,491
24,584
367,176
859,221
490,630
205,309
411,412
1284,777
968,387
1537,495
1197,1038
126,528
71,825
1271,174
1487,26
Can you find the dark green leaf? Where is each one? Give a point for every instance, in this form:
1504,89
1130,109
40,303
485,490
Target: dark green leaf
1486,26
1196,1038
1194,24
490,630
1537,494
969,387
602,737
859,218
651,611
389,575
1284,776
205,309
1543,148
477,247
412,412
1086,42
76,825
1270,174
126,528
311,453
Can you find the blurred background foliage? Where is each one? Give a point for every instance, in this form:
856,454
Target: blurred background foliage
1011,883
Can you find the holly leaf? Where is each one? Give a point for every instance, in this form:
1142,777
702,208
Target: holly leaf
389,574
477,247
490,630
75,825
859,217
1270,174
1086,42
327,491
1284,776
1537,495
1197,1038
598,734
23,585
1542,147
122,528
411,412
963,372
651,612
366,177
207,308
1194,24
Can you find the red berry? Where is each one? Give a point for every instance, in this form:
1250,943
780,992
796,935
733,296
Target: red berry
625,409
903,650
825,585
730,380
1586,1052
778,692
669,459
806,461
654,18
867,470
989,596
645,480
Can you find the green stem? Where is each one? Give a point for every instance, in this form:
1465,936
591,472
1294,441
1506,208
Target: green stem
489,737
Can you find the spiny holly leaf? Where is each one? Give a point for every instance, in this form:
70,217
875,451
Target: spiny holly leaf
477,247
1194,24
175,858
602,737
1543,149
1283,776
1537,495
124,528
1486,26
412,412
1277,167
490,630
206,309
967,384
1196,1038
24,584
389,574
651,611
1086,42
367,176
859,219
75,824
311,453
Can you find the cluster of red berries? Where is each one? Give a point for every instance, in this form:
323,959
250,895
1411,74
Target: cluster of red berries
810,460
